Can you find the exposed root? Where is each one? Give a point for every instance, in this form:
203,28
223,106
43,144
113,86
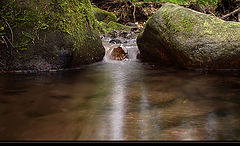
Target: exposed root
230,14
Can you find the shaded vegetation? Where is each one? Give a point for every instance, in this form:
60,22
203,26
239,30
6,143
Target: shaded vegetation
141,10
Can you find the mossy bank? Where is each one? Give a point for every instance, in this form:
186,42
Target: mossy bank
107,21
49,34
102,15
190,39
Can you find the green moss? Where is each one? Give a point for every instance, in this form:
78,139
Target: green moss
201,35
173,27
105,16
51,25
108,28
118,26
188,22
177,23
107,21
73,17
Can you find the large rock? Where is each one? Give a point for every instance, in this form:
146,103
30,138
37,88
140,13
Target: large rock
51,34
184,37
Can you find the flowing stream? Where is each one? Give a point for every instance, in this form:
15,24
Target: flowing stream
120,100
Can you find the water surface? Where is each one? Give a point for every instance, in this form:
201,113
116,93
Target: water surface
120,100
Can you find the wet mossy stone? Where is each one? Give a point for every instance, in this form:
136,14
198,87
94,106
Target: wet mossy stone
107,21
187,38
52,34
111,27
102,15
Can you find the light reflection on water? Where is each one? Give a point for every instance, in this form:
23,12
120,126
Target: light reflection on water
144,112
120,101
212,126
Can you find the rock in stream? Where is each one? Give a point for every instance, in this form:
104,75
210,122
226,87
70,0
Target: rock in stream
187,38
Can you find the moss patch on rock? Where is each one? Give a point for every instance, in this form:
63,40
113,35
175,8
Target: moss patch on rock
105,16
107,21
109,28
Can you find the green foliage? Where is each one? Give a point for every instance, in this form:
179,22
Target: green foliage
27,35
20,15
208,2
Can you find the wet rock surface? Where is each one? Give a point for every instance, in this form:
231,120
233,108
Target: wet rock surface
117,54
115,41
183,37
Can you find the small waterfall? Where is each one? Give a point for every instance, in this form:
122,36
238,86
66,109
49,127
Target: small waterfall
129,46
132,51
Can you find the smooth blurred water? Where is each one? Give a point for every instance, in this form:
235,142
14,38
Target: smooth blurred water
120,100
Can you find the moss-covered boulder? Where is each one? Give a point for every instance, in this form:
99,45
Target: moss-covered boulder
183,37
107,21
111,27
51,34
102,15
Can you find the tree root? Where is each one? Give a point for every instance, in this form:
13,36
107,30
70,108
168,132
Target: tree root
230,14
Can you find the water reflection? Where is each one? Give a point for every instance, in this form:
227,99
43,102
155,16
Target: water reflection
117,115
144,113
212,125
120,101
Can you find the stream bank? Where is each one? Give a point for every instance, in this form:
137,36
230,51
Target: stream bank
52,44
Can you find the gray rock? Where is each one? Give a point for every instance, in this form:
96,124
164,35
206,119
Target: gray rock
187,38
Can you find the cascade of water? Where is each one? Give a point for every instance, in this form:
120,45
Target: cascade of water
129,47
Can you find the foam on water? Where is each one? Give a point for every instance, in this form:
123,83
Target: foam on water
130,48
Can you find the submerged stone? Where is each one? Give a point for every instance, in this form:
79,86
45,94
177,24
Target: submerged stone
187,38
